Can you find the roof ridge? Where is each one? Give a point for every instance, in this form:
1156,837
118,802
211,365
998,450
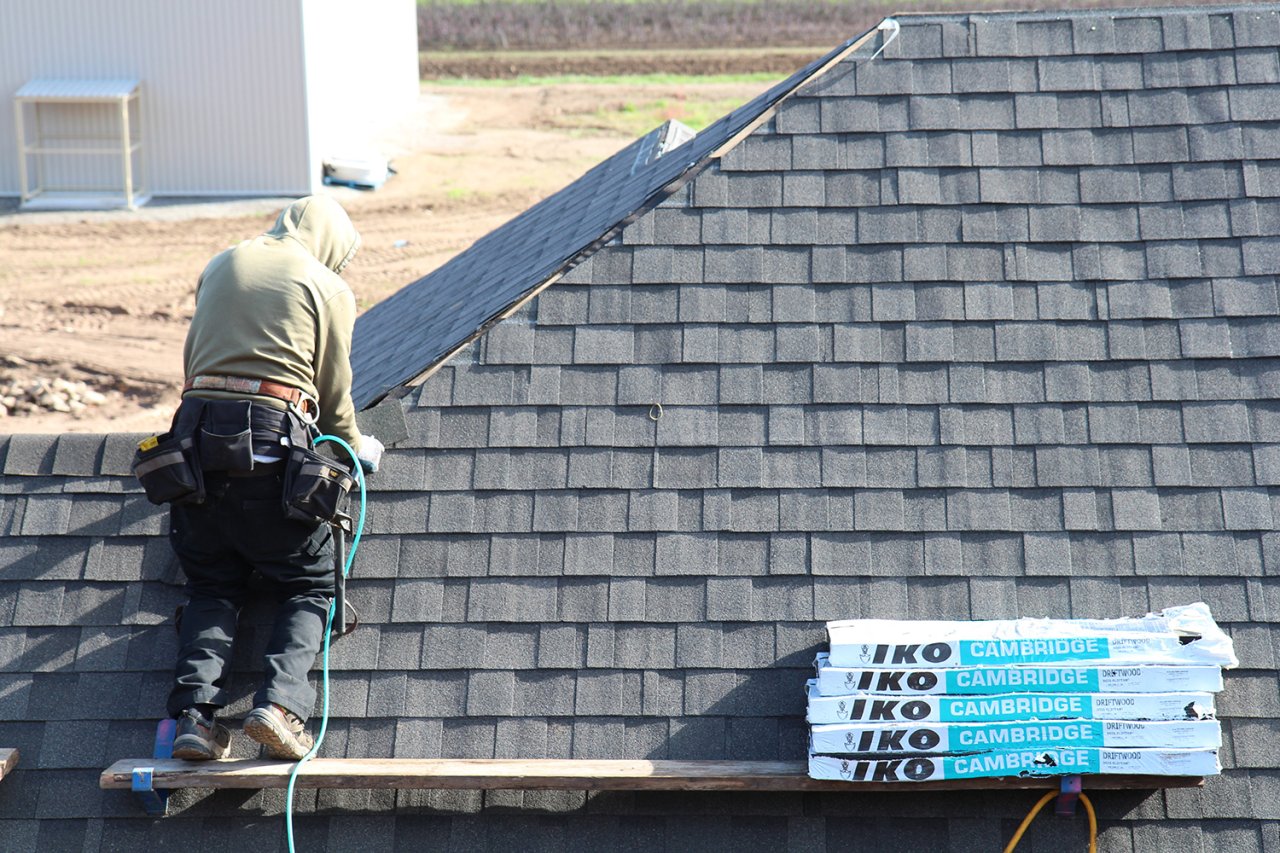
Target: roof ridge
1074,14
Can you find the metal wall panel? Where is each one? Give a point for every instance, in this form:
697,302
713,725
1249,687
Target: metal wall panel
223,95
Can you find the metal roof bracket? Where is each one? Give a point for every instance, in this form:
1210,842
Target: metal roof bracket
155,802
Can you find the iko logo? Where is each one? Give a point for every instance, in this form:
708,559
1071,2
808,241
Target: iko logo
891,770
886,709
891,680
892,740
910,654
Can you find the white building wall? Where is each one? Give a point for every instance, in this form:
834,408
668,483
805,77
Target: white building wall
223,91
362,72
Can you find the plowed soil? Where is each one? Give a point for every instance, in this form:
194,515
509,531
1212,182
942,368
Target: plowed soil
107,296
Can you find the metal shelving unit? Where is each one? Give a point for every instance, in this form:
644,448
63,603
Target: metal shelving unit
46,142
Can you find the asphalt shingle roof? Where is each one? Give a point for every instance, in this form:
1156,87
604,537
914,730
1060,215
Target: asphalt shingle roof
982,328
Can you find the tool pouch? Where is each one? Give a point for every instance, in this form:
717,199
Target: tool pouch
226,436
165,466
315,486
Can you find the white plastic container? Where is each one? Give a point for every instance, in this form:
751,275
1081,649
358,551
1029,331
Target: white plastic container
360,172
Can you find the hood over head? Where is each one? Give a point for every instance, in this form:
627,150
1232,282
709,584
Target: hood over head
321,225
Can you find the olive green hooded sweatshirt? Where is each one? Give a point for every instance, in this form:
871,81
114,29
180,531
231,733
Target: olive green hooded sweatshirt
275,308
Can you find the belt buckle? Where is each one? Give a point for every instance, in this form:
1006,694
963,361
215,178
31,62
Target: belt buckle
304,404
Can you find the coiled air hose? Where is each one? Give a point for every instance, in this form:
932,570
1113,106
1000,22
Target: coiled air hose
1035,810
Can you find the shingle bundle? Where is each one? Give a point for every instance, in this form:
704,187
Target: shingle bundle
922,701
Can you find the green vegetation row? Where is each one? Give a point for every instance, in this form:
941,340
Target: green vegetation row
726,65
605,24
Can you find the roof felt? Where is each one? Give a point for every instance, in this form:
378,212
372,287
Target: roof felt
981,328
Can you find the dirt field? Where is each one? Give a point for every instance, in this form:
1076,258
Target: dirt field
106,297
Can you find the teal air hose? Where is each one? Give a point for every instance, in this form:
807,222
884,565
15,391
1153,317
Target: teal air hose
328,630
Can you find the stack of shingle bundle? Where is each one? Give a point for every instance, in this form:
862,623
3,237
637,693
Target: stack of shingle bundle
929,700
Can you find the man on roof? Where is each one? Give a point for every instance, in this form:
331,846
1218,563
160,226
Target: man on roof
267,364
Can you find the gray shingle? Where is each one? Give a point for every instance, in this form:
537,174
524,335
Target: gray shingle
77,455
1215,422
490,693
786,425
988,301
30,455
1035,509
1247,509
1067,466
1038,425
1136,509
791,468
1220,465
1252,296
978,510
1173,381
1044,262
1126,466
46,515
1266,462
985,554
1113,423
1191,510
1025,342
940,302
975,263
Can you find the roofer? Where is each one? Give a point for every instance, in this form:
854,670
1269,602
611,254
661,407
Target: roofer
267,363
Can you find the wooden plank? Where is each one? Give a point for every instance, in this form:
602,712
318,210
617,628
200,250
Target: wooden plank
556,774
8,761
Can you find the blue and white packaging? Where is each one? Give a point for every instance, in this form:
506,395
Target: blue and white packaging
842,681
955,738
1050,762
1176,636
889,708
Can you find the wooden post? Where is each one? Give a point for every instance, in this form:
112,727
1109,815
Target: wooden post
19,108
128,153
143,177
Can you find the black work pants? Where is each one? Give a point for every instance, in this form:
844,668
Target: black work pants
240,528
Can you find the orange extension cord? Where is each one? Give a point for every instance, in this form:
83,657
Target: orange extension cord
1035,810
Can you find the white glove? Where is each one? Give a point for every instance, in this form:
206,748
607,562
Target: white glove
370,454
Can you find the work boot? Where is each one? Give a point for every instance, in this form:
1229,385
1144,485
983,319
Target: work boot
279,730
199,738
